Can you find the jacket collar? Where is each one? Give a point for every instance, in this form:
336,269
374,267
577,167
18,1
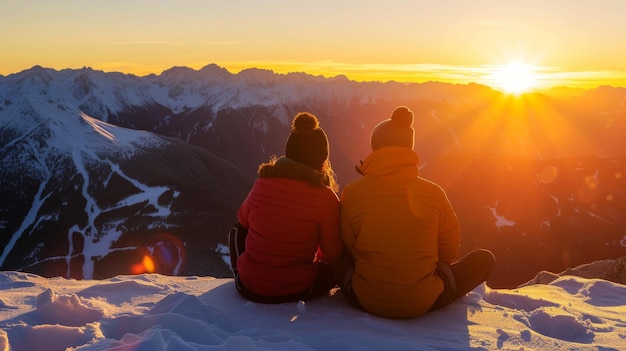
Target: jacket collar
392,163
287,168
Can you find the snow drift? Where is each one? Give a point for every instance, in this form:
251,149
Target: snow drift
158,312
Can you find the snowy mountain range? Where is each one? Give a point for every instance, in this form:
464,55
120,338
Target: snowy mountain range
107,173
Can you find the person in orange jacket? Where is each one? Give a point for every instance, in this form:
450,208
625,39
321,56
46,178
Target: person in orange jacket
402,232
288,231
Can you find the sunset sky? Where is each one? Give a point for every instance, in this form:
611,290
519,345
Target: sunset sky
563,42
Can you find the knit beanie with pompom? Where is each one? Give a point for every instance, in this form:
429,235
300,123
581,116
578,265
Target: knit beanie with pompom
395,131
307,142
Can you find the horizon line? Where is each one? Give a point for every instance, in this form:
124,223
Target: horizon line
550,77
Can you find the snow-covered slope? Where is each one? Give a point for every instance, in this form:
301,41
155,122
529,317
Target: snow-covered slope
157,312
90,199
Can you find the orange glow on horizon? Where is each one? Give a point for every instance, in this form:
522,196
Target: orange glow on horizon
537,77
491,75
451,42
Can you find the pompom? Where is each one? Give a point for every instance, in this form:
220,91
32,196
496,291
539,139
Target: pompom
402,116
304,123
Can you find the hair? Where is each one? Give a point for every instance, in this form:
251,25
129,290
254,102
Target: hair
328,177
328,172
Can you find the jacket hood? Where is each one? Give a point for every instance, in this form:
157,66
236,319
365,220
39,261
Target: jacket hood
285,167
392,164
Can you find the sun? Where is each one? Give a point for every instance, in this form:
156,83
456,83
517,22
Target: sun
515,78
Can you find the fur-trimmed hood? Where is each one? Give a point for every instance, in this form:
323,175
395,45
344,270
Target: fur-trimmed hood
287,168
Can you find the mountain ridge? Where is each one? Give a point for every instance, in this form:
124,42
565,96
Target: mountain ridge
494,154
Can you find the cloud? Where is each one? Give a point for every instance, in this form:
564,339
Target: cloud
145,42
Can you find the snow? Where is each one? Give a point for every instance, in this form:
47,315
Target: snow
157,312
501,221
87,141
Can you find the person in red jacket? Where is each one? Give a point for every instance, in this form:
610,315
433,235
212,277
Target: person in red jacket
402,232
288,231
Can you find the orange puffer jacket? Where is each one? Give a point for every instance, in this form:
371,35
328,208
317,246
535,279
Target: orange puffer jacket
397,225
293,221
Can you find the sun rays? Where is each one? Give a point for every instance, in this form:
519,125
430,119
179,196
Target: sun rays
514,78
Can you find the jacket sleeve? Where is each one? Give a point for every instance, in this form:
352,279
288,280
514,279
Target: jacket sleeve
244,209
449,238
330,245
347,235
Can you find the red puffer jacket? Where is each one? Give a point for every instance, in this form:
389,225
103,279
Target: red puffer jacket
293,221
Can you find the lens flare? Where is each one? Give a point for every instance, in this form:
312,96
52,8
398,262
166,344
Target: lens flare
548,174
165,254
145,266
169,252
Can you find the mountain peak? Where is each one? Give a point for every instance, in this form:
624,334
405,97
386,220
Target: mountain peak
178,70
214,70
36,75
258,76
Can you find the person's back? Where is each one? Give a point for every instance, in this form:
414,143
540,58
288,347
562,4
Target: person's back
396,226
288,230
288,217
400,228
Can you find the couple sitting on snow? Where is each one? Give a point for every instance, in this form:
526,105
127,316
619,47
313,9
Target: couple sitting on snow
390,242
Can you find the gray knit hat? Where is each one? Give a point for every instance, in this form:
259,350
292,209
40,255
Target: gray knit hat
395,131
